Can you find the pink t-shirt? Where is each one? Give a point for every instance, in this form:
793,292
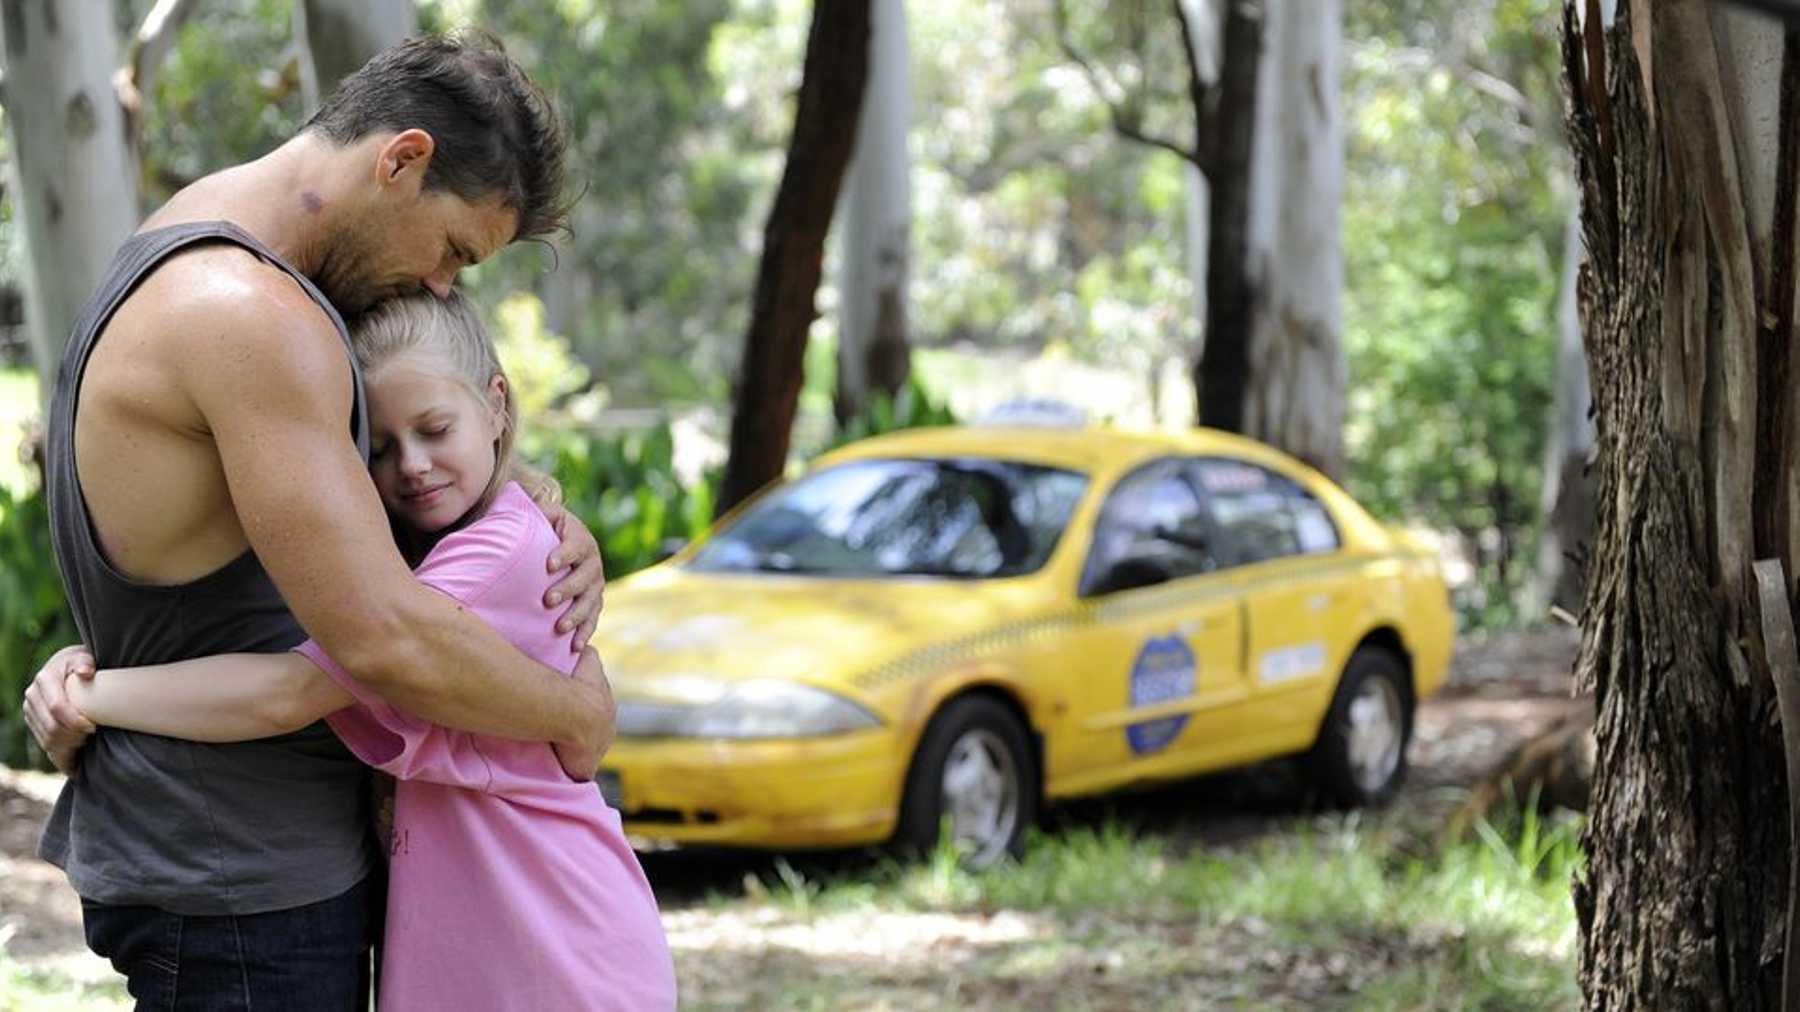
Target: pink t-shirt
511,886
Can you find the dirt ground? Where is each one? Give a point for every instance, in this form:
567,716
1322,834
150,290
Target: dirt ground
1501,691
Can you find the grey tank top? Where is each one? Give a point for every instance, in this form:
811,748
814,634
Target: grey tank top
189,827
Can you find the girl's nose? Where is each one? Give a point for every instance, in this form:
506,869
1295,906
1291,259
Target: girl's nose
413,460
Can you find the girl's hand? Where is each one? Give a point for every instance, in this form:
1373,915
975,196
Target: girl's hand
585,583
58,725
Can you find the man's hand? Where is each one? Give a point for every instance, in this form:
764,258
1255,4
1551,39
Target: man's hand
60,728
580,759
585,583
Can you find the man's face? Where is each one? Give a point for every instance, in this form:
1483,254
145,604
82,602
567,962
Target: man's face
411,244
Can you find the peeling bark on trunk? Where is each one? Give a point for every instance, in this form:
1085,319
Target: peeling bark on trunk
338,36
831,90
1682,119
873,351
72,175
1294,395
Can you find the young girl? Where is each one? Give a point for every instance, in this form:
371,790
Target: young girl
510,886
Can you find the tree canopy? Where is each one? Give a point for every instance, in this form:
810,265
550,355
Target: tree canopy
1037,231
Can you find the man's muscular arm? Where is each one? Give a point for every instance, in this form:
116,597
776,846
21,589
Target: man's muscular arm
269,376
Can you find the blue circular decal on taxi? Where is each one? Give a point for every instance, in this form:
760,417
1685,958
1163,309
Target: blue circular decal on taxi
1165,669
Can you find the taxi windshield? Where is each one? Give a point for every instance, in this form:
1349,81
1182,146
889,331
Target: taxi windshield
966,518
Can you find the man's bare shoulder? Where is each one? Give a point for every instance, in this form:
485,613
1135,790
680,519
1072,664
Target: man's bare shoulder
229,282
219,297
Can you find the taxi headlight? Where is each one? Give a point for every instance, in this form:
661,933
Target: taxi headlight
764,708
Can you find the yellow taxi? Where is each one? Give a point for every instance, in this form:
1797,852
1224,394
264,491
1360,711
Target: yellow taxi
942,629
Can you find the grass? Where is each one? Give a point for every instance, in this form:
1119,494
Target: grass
1338,912
1346,912
47,989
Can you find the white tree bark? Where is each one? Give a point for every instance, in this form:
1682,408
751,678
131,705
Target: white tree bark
72,174
1298,371
875,256
1198,204
338,36
1205,16
1568,499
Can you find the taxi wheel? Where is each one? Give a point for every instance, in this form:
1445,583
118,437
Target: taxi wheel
1360,757
974,770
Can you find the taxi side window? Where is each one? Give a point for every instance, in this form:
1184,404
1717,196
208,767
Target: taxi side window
1152,528
1259,515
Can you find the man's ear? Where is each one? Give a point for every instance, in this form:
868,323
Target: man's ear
404,159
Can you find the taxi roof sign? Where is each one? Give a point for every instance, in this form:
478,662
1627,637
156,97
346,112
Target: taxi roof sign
1034,412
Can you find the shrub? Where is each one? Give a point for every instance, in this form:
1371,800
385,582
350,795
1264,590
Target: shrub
625,489
34,616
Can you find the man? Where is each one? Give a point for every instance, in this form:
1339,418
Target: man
208,468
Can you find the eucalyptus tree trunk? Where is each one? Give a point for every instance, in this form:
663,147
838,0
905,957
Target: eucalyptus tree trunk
337,37
1568,500
72,174
1682,119
1222,366
873,351
787,280
1294,393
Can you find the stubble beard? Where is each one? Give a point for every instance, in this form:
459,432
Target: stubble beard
346,276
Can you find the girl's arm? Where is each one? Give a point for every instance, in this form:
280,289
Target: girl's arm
229,697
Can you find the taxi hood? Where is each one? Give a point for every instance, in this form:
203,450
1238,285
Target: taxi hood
667,633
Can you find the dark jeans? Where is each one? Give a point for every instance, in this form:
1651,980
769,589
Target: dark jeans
309,958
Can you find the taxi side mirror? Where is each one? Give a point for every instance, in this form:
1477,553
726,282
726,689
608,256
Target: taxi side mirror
1129,573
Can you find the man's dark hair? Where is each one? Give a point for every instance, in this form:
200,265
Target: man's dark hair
495,131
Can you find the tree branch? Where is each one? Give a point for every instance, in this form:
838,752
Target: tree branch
1125,125
1204,99
1060,12
149,46
1496,87
1132,132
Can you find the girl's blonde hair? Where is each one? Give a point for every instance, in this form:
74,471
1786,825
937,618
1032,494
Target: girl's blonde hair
450,329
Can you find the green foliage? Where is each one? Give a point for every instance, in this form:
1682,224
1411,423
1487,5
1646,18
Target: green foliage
913,407
654,278
18,409
34,618
626,490
1034,223
538,363
228,92
1453,231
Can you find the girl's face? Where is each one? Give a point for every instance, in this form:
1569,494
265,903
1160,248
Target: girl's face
431,440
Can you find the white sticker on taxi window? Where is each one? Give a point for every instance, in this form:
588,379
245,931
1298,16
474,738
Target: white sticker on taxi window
1224,476
1293,662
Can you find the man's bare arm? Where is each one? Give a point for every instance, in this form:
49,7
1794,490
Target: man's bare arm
269,375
